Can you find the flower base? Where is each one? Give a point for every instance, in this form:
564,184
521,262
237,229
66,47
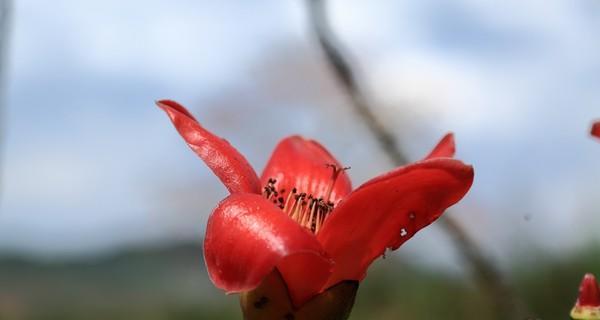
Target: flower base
271,300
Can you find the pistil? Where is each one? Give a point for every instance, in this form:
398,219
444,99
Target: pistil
335,174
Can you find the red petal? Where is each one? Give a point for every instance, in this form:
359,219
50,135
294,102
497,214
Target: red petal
387,211
247,236
596,129
224,160
444,148
305,165
589,293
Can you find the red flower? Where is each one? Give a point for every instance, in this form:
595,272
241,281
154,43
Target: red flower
302,217
587,306
596,129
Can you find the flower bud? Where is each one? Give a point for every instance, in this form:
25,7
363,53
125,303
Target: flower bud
587,306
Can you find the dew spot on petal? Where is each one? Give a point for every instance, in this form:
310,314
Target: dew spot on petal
403,232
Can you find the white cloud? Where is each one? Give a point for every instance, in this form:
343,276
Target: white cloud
180,44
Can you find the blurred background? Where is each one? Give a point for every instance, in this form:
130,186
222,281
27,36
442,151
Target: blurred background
103,207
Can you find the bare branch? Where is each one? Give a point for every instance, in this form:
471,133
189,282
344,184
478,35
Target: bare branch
487,276
346,76
5,11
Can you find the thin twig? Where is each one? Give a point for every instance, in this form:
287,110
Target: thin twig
5,14
487,276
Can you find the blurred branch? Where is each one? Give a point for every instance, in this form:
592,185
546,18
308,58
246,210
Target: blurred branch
484,271
5,11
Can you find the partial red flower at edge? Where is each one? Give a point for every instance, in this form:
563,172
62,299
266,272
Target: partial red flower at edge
587,306
309,224
596,129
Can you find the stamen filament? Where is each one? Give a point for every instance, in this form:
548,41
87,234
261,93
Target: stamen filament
307,210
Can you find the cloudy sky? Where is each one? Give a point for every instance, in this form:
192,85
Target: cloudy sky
90,164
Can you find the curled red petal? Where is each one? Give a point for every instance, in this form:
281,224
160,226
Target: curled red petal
387,212
223,159
596,129
307,166
589,293
247,236
444,148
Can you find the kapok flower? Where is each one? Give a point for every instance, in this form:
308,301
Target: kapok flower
302,218
596,129
587,306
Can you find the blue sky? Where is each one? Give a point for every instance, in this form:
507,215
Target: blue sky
91,165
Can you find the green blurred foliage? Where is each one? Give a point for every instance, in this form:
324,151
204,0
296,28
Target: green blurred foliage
171,283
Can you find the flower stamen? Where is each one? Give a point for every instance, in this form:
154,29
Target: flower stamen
307,210
269,190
